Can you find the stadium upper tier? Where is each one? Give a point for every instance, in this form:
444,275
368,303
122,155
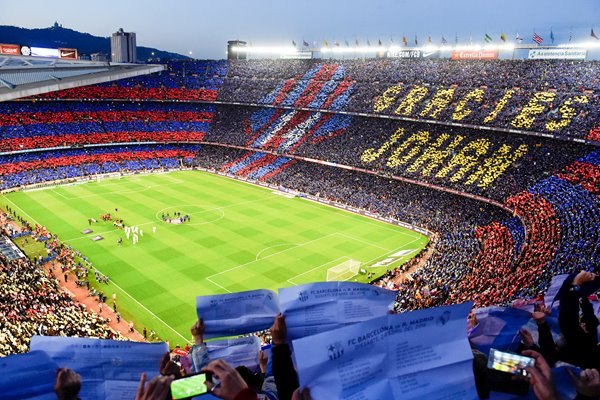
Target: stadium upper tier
558,98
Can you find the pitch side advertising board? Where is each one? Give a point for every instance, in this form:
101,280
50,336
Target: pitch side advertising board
475,55
557,54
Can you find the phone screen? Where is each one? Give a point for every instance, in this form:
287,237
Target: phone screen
509,362
189,386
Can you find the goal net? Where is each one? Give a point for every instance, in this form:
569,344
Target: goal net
343,271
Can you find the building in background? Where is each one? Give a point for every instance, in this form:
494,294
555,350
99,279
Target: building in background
102,57
122,47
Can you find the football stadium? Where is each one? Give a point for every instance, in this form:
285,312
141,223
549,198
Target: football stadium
352,219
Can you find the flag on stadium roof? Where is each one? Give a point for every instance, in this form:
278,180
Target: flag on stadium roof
537,38
325,43
416,40
594,35
380,42
487,38
518,38
304,43
456,38
294,43
551,36
347,44
503,37
571,35
368,43
404,41
336,43
444,41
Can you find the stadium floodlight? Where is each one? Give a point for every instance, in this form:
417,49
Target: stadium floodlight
362,49
265,49
290,50
499,47
583,45
468,47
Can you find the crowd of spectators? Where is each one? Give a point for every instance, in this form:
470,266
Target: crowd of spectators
374,144
181,80
37,167
32,303
31,125
561,96
557,97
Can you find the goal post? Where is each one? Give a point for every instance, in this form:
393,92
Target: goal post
343,271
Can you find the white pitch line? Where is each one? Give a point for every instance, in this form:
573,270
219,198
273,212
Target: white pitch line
271,255
23,211
276,245
215,283
365,263
160,221
213,208
369,220
318,266
53,189
104,184
363,241
150,312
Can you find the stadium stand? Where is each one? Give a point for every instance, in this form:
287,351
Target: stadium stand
538,214
32,303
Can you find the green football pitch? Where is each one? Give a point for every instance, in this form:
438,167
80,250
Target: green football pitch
240,237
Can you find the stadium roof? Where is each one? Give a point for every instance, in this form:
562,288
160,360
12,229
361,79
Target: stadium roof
29,76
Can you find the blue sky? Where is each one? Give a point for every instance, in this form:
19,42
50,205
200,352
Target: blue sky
203,27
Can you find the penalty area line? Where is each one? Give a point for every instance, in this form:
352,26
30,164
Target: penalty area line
215,283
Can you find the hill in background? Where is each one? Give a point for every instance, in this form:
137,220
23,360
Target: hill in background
57,36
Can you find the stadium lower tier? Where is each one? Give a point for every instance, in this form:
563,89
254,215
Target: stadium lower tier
39,167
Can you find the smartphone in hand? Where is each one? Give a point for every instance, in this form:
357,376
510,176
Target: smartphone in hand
508,362
190,386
